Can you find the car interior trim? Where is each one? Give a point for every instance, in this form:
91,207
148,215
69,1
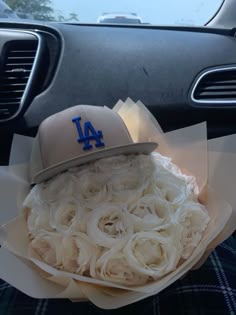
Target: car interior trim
212,101
31,76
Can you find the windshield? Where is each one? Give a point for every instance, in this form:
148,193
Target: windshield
161,12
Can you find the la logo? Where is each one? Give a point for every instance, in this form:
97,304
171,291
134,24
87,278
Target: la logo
89,134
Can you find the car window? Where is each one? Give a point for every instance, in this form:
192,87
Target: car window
161,12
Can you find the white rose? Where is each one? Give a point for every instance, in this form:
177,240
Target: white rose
126,176
34,200
47,247
80,224
175,186
151,254
91,188
133,163
126,187
162,161
113,266
64,215
38,221
132,173
150,212
193,218
109,224
59,187
78,253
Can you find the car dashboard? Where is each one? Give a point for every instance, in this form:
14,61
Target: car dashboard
184,75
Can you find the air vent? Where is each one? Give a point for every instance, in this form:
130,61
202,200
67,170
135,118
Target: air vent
16,72
216,86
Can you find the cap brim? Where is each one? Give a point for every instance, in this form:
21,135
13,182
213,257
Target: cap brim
134,148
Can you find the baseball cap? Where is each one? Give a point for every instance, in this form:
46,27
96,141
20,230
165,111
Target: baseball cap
79,135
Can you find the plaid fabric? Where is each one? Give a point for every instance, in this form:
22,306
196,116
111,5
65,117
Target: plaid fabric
208,290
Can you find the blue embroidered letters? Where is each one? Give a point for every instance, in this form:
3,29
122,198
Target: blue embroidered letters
89,134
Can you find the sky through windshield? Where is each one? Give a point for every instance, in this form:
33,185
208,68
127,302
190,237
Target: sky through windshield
170,12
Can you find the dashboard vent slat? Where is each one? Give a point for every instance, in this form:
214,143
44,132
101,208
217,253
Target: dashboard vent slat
216,86
16,68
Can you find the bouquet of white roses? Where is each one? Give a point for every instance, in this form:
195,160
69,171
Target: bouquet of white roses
121,228
125,219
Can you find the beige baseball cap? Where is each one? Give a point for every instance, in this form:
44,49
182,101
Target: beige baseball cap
79,135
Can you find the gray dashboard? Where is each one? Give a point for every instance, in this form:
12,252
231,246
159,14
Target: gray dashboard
100,64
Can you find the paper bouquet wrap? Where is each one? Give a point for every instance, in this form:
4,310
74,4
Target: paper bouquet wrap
110,283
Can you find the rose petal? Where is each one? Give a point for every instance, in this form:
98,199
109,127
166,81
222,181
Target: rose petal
194,219
108,225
